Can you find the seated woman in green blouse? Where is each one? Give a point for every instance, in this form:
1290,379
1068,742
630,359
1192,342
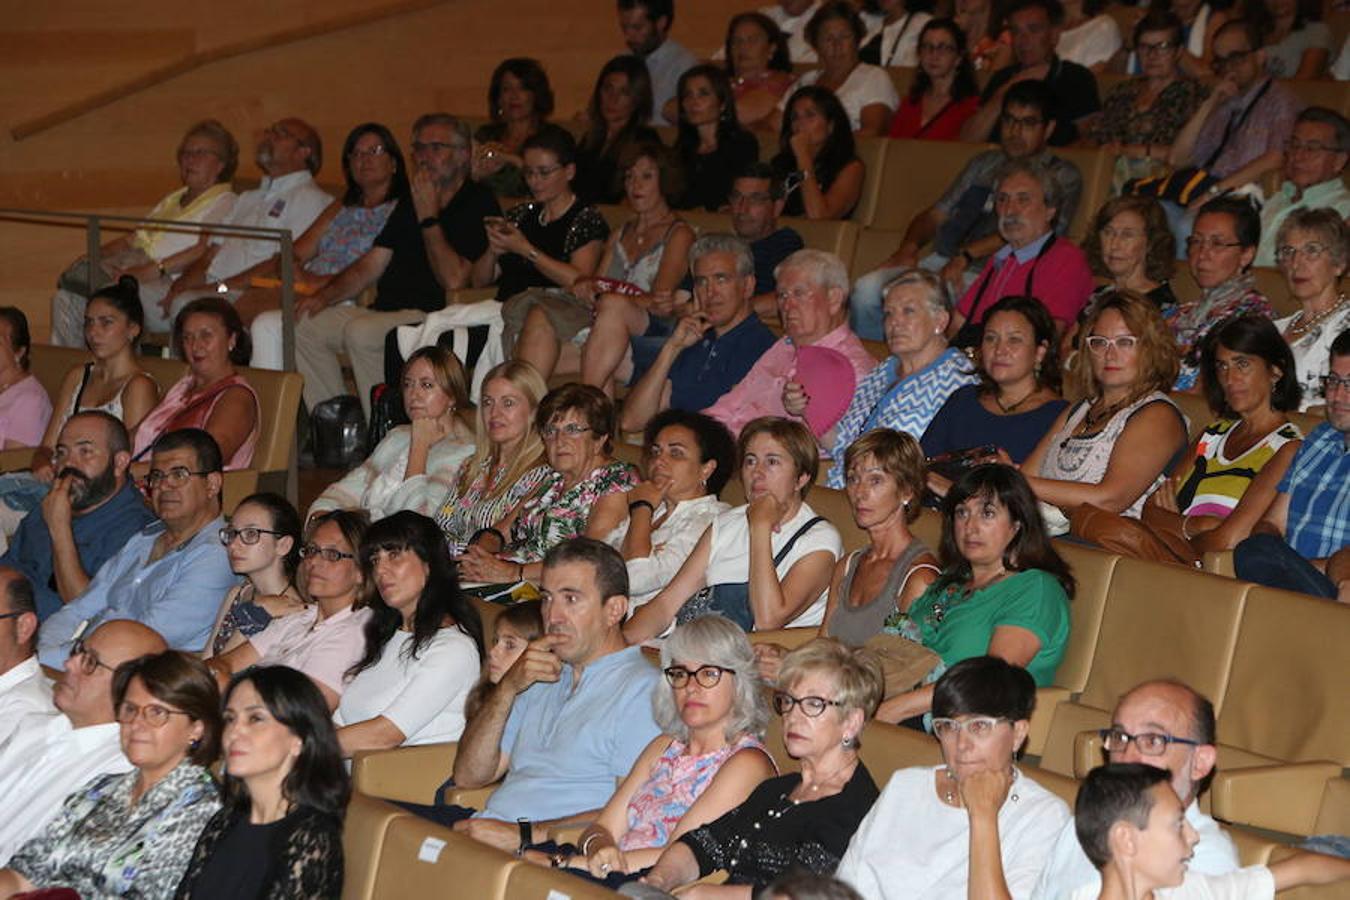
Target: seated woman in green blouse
1003,591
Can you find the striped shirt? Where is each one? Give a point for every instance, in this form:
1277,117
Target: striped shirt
1318,485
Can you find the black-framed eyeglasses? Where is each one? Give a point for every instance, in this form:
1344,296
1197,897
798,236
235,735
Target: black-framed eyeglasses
175,477
89,661
1232,59
1150,743
1159,47
1332,382
327,554
155,716
571,429
13,615
811,706
1214,245
706,676
248,534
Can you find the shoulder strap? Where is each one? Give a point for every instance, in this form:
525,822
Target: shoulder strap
936,117
84,382
792,541
1235,122
1031,272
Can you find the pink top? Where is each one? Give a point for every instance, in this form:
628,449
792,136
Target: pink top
178,410
1062,280
760,392
322,650
675,782
25,410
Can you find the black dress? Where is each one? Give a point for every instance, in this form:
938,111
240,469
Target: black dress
769,834
298,857
597,179
559,239
708,176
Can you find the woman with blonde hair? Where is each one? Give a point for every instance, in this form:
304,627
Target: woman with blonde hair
415,463
508,463
1112,447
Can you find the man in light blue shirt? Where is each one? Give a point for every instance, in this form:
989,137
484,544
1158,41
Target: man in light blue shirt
569,719
646,30
171,576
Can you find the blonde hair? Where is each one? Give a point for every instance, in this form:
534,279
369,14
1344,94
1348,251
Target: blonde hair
856,673
526,379
1159,358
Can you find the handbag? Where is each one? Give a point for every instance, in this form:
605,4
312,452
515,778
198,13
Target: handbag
953,464
904,663
732,599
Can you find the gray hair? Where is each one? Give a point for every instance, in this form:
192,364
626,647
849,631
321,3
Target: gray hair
720,242
937,293
713,641
1324,222
1323,116
825,269
458,126
1043,175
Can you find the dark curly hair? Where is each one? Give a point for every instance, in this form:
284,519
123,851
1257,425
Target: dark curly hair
714,442
531,76
398,184
779,61
223,310
1043,331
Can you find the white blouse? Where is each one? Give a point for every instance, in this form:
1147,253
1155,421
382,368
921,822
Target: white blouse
865,85
378,485
1312,353
672,543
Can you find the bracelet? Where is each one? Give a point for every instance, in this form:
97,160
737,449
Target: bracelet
638,504
1184,521
586,844
533,255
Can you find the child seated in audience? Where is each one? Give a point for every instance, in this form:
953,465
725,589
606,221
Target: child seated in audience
512,632
1133,828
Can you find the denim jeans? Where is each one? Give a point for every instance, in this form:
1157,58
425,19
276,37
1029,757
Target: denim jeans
1266,559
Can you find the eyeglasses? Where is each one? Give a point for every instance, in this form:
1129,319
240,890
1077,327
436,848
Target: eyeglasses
1332,382
979,727
538,171
1294,145
1011,121
1099,343
327,554
811,706
175,477
1150,743
249,535
89,661
1159,47
571,429
757,197
1232,59
434,146
706,676
1287,253
937,48
373,153
155,715
13,615
1214,245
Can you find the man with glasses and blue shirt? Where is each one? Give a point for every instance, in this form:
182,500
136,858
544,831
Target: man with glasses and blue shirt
1167,725
1303,543
172,575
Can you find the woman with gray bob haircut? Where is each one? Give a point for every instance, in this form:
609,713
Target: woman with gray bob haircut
707,760
1312,247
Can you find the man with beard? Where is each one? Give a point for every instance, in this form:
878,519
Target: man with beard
646,28
569,718
290,154
1034,262
92,510
172,574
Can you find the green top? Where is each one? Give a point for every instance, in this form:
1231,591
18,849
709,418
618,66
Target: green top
956,627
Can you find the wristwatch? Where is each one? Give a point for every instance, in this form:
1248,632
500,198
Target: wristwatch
428,222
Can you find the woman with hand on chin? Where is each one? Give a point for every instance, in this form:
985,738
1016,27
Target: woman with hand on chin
424,641
818,157
766,564
804,819
285,790
974,826
690,458
415,464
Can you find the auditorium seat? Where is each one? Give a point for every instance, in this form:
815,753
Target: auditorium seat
874,246
1269,281
874,153
1096,167
410,774
422,859
531,882
1338,891
363,831
939,162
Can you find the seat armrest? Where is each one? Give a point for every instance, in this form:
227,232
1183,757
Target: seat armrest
791,638
474,798
1220,562
17,459
1284,797
410,774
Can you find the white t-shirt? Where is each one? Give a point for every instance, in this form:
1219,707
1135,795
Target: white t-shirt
1093,42
1069,869
729,559
1251,883
900,39
24,693
913,846
799,51
1340,69
672,543
423,697
865,85
291,202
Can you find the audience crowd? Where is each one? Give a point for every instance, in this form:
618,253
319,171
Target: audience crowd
184,682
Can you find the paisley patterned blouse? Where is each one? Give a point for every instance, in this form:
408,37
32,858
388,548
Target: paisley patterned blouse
553,515
463,513
100,845
676,781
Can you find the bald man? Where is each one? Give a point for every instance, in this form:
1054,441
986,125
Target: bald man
46,761
290,154
1185,720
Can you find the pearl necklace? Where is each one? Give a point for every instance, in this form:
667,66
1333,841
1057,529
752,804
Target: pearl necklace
1299,327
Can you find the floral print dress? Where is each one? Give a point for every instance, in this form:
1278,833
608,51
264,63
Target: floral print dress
555,514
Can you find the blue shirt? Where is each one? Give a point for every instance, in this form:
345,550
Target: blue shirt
568,747
178,594
701,374
99,534
1318,485
963,423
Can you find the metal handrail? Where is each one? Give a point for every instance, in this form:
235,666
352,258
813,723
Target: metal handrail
93,234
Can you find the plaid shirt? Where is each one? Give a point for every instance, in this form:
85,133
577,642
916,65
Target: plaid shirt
1318,485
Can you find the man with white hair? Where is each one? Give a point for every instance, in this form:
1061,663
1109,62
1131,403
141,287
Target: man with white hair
812,304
